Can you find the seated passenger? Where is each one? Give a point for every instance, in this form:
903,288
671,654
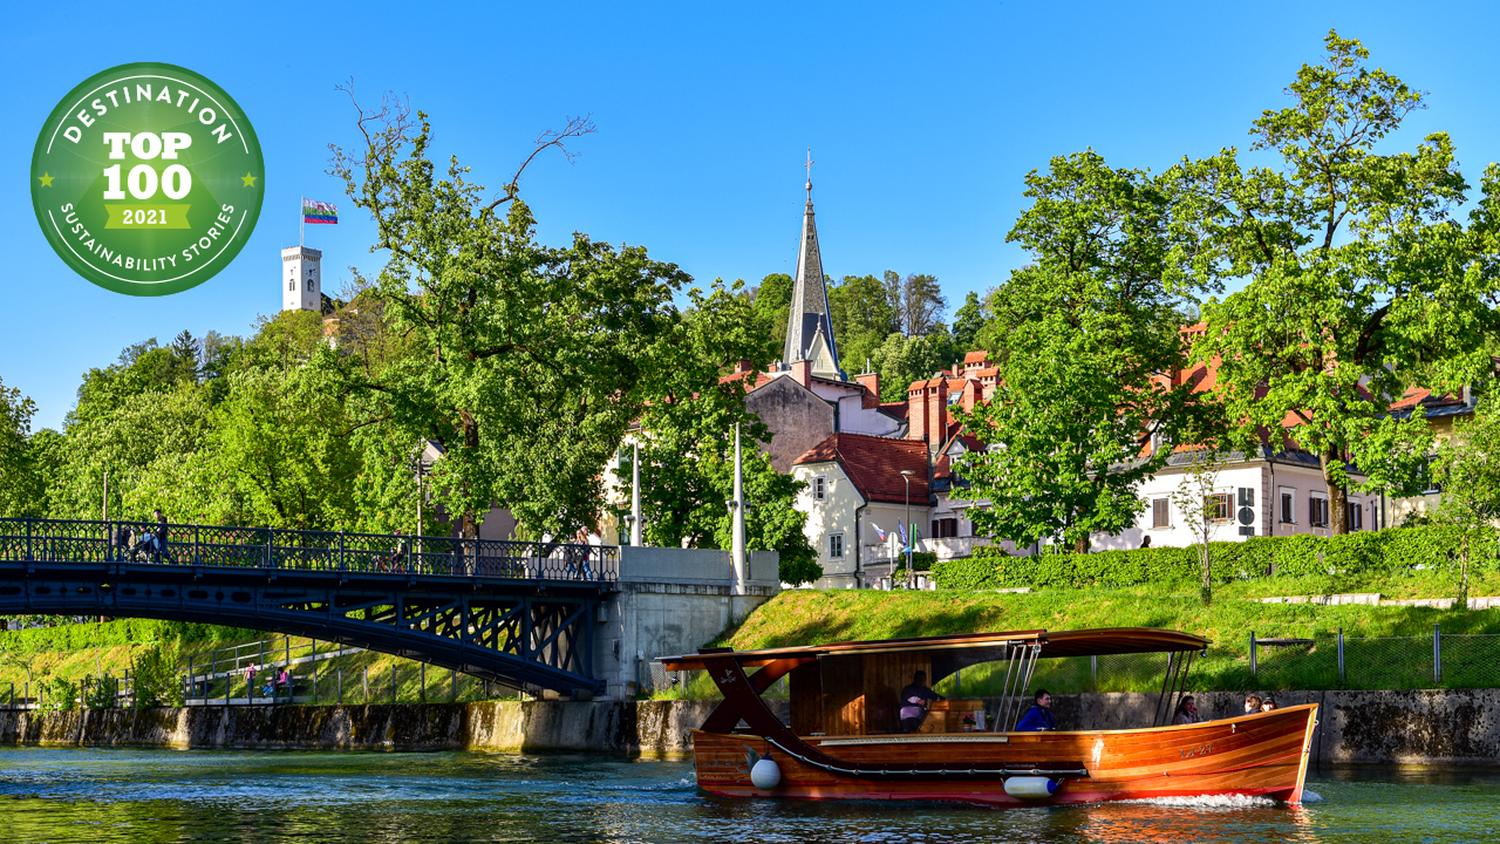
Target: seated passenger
1187,711
1039,717
1268,704
914,700
1252,704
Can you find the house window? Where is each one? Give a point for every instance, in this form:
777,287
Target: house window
1317,511
1288,506
1161,513
944,528
819,487
1356,516
835,545
292,285
1218,506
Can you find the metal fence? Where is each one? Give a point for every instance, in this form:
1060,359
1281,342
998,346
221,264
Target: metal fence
215,546
1440,660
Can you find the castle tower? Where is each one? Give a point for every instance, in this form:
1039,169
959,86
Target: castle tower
809,331
301,279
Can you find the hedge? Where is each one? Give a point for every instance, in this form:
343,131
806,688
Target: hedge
123,631
1392,551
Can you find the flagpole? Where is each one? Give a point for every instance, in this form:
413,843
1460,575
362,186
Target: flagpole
302,223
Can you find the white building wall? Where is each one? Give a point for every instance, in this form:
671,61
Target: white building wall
853,416
832,515
301,279
1269,516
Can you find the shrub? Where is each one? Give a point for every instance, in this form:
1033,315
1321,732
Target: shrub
1394,551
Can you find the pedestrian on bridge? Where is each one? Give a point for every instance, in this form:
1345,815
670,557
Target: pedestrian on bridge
398,553
161,534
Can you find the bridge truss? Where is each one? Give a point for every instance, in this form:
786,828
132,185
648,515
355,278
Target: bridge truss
521,614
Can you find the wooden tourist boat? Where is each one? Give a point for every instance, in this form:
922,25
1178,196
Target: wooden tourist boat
842,741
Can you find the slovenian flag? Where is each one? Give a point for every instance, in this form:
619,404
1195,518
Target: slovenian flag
314,211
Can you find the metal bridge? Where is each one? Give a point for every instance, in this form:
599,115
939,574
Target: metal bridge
517,613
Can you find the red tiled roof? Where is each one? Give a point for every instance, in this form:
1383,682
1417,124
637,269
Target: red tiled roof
760,379
874,464
976,357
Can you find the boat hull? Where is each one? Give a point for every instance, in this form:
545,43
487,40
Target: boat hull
1264,754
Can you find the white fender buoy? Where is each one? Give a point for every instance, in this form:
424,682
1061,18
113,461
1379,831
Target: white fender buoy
765,774
1031,788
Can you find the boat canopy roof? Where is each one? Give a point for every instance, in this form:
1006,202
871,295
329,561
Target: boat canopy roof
1096,642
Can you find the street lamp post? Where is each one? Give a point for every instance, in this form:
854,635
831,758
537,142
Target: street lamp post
910,536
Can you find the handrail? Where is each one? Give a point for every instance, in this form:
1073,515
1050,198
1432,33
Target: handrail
27,539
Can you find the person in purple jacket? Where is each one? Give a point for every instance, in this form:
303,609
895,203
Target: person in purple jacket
914,700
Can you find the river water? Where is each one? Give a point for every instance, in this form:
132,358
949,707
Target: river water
146,795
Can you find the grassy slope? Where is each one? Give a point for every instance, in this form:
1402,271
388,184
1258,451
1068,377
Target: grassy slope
66,652
811,617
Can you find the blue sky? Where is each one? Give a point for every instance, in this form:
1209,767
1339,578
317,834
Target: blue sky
923,123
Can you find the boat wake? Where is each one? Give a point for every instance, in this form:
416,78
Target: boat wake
1208,801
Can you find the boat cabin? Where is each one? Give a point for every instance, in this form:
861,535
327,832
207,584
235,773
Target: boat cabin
855,688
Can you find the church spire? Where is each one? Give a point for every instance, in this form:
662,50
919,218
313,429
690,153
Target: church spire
809,332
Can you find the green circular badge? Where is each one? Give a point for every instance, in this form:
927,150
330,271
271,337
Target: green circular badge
147,179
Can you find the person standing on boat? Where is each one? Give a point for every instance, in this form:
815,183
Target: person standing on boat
1039,717
914,700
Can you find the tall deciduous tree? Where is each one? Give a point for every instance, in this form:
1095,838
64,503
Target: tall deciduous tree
968,322
773,304
1089,328
917,300
687,443
1361,280
1467,468
900,360
527,362
862,318
19,482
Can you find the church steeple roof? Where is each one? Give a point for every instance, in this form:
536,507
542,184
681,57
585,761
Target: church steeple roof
809,332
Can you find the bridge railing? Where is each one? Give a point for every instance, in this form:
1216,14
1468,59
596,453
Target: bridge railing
79,541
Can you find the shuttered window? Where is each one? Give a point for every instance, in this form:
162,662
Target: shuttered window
1317,511
1160,513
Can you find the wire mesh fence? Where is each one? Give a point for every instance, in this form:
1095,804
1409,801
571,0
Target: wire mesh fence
1436,661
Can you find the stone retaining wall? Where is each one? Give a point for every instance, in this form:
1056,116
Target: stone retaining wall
1414,727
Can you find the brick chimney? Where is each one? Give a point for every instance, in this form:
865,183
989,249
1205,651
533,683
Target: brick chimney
927,410
937,411
916,410
802,372
870,381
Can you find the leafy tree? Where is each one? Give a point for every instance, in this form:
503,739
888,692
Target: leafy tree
1088,327
135,420
185,361
278,452
526,362
1361,281
20,486
968,321
918,302
862,318
773,304
1467,468
687,444
1194,498
900,360
155,680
